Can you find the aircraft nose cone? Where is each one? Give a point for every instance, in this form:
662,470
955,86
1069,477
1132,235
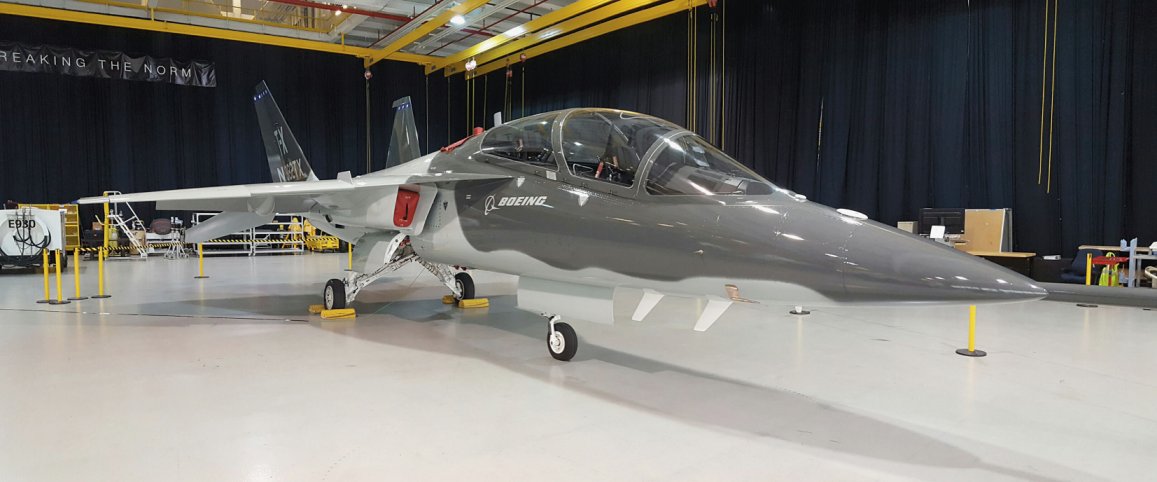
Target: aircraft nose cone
887,265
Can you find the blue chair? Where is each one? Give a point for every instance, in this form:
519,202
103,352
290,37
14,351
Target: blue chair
1075,273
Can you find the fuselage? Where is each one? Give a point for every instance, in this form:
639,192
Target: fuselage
550,222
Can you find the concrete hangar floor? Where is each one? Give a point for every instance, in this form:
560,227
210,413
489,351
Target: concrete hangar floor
229,378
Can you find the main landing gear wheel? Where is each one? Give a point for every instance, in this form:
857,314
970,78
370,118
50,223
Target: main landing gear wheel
562,342
334,294
465,285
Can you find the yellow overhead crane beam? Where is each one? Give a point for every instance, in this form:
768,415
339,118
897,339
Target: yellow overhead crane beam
208,32
143,6
463,8
589,33
589,18
516,32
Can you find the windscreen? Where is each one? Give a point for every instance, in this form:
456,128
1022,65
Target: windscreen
690,165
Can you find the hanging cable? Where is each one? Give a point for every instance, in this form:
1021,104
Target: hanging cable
469,102
449,113
692,70
485,95
820,135
1044,63
426,101
522,110
1053,101
465,95
711,75
723,80
695,67
506,93
688,66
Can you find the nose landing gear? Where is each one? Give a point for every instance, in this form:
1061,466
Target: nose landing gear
561,340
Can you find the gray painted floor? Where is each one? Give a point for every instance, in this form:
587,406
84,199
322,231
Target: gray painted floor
229,378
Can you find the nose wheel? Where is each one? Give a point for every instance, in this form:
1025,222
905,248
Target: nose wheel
334,294
561,340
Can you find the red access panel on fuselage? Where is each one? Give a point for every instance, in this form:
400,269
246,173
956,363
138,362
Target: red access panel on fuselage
405,207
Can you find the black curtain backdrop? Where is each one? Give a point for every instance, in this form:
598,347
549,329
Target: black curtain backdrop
66,137
923,104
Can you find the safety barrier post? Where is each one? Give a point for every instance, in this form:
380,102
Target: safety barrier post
76,274
971,350
350,261
100,274
44,266
59,286
200,261
104,228
1088,269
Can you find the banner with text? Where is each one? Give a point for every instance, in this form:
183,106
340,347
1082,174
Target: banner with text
105,64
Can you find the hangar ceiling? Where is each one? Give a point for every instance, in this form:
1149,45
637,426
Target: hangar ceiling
442,35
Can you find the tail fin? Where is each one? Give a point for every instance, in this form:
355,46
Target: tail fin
286,160
404,144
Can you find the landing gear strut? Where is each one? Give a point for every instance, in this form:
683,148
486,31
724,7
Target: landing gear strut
561,340
461,285
340,293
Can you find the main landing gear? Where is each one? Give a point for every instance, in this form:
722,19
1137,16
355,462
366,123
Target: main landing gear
340,293
334,294
465,285
561,340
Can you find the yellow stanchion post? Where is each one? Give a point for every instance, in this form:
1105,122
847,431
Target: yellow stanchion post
76,275
350,260
100,256
44,266
971,350
1088,269
200,261
104,228
59,285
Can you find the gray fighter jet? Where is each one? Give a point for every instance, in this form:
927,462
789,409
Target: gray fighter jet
581,202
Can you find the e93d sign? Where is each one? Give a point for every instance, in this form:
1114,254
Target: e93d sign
26,232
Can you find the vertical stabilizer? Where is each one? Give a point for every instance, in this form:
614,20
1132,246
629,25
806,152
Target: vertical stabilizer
404,145
287,162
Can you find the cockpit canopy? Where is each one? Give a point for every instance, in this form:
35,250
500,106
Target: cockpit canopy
623,149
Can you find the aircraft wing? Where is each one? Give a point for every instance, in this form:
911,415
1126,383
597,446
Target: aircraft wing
346,207
240,195
248,205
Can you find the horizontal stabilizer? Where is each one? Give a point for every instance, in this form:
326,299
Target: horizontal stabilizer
225,224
